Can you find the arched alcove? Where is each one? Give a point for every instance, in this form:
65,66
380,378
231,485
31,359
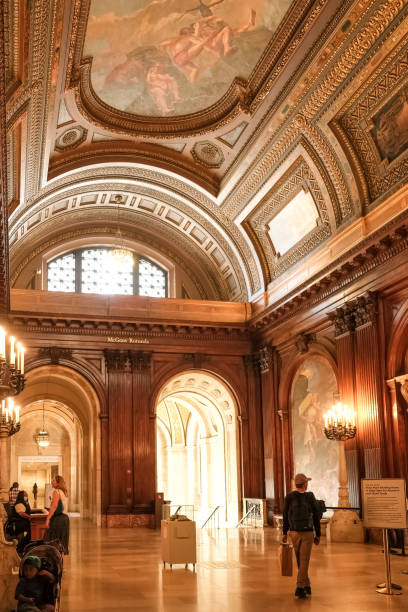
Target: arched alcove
70,404
197,444
312,391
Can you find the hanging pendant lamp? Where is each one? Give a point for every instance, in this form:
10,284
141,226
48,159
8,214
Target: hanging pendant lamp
42,438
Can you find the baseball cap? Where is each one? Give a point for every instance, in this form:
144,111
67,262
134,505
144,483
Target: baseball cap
301,479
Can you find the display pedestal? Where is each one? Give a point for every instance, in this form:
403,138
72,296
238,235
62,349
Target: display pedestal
345,526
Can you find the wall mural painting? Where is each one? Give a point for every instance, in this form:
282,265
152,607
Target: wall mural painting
175,57
390,131
314,455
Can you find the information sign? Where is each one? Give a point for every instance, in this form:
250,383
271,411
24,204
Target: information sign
384,503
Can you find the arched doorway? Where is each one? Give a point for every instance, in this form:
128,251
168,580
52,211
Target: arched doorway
71,411
197,444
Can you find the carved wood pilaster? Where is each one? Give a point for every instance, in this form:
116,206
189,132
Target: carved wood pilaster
252,443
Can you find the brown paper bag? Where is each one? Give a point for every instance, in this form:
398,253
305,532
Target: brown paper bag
285,559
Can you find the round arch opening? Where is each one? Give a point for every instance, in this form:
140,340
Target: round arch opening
69,406
198,446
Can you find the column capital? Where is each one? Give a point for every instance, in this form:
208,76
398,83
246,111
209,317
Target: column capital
263,358
140,360
116,360
355,313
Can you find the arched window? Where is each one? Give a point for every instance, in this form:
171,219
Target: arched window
95,270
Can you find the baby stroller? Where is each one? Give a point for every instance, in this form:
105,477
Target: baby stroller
51,560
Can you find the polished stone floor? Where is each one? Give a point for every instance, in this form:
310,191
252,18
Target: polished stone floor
237,570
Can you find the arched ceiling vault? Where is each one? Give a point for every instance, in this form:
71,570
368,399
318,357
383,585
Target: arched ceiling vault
263,128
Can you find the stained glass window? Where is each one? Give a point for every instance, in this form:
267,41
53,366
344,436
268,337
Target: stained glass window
96,270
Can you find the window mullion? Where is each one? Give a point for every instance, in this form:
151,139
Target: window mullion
78,271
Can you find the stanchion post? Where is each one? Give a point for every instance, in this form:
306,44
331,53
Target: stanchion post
387,589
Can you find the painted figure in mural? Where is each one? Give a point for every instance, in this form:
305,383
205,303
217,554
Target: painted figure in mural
183,49
163,87
392,132
312,395
209,33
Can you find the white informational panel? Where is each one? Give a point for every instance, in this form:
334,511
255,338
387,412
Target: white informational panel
384,503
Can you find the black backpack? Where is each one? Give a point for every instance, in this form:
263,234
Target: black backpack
300,512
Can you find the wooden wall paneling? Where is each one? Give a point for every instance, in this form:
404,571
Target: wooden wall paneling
120,432
105,480
252,449
344,324
265,364
144,434
399,409
369,386
271,426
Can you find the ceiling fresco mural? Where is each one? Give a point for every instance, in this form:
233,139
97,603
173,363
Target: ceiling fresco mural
175,57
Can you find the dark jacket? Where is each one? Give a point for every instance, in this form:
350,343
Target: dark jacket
289,499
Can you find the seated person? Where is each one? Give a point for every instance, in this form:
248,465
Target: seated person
34,590
20,520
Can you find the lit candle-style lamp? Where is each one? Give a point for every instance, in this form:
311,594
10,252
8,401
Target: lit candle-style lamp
22,360
12,351
340,425
2,343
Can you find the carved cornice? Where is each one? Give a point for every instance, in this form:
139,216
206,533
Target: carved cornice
102,329
55,353
238,99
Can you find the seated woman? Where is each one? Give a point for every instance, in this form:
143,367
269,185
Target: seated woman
58,521
20,520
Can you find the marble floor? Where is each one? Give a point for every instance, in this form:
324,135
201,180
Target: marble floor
237,570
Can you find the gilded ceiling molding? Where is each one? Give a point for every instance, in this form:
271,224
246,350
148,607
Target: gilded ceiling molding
210,284
211,241
4,260
364,40
148,154
238,99
367,127
308,106
42,38
157,185
298,176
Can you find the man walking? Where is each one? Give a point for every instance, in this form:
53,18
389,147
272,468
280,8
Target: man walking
301,516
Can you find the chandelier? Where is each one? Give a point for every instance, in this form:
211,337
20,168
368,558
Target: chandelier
11,366
11,383
340,423
42,438
10,418
120,255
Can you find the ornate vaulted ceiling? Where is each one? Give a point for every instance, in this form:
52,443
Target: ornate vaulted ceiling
244,138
